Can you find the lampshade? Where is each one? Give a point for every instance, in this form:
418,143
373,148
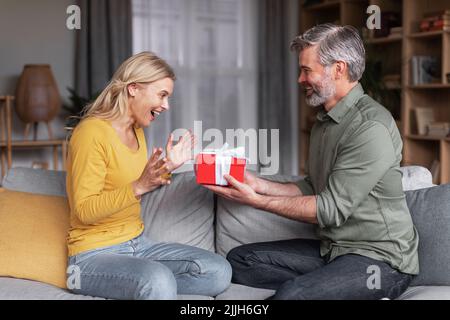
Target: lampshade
37,95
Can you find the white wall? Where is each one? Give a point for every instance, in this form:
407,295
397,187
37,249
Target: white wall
34,31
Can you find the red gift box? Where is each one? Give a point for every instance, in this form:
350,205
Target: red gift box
210,167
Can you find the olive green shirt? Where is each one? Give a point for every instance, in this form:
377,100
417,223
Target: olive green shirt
354,171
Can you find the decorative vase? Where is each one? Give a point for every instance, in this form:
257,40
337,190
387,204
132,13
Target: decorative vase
37,96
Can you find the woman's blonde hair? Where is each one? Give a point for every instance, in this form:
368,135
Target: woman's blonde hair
112,103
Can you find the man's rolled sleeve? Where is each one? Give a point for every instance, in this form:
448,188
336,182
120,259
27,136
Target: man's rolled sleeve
362,161
305,186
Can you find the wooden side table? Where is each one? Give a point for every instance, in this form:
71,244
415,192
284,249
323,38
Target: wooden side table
7,144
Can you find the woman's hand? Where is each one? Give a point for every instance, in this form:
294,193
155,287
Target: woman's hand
181,152
154,174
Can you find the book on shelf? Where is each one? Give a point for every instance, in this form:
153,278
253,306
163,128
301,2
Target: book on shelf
435,21
425,69
439,129
424,117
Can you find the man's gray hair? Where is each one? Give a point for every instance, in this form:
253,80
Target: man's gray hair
335,43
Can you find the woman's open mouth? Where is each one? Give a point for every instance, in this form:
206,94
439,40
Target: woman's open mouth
154,114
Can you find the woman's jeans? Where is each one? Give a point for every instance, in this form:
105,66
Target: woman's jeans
295,269
145,269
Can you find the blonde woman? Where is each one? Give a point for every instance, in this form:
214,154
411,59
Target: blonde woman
108,172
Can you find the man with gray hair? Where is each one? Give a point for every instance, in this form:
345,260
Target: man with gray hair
353,191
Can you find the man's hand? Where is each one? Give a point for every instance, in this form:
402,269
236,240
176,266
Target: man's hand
254,182
296,207
239,192
270,188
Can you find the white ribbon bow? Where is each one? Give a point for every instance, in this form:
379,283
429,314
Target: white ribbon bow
223,161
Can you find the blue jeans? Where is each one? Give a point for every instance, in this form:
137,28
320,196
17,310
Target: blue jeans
145,269
295,269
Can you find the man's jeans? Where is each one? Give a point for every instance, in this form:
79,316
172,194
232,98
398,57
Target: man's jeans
295,269
145,269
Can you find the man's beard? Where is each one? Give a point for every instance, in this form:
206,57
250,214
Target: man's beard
323,91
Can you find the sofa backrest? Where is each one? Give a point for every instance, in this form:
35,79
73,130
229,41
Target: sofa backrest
430,211
181,212
185,212
237,224
40,181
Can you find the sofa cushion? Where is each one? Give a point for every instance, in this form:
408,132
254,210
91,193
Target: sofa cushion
33,230
430,211
238,224
21,289
426,293
181,212
241,292
53,182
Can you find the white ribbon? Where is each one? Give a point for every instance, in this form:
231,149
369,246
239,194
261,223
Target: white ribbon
223,165
223,161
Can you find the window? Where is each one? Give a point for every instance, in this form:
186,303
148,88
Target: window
211,44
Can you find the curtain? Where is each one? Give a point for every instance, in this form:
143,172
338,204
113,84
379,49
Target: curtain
277,73
103,43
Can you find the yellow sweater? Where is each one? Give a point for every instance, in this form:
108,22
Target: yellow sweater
100,170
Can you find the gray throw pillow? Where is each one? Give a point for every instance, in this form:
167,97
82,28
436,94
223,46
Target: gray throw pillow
430,211
238,224
39,181
181,212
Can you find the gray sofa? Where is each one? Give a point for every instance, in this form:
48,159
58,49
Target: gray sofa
188,213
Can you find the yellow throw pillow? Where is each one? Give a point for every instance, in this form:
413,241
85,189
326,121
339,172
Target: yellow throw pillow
33,231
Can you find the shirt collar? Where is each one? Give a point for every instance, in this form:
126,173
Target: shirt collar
338,112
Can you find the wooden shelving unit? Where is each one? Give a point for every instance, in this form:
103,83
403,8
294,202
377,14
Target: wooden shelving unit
429,86
385,40
396,53
419,149
7,145
427,34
